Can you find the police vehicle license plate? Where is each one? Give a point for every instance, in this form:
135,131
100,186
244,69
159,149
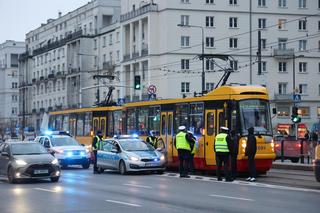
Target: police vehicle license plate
151,164
41,171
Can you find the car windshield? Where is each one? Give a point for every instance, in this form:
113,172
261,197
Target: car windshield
255,113
135,145
27,149
64,141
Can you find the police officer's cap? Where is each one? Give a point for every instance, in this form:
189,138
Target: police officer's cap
181,128
224,128
99,132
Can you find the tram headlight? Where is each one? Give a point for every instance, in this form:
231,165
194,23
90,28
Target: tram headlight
243,145
272,145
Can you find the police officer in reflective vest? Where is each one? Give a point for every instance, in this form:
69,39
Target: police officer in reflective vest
183,147
152,139
96,145
221,148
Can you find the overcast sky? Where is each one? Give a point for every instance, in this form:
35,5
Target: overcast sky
18,17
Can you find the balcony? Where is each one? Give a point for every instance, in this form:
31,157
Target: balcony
283,97
144,52
74,70
50,109
24,56
108,65
42,110
126,57
34,80
142,10
135,55
283,53
56,44
41,78
34,110
51,75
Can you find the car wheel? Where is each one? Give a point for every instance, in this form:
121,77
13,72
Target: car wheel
54,179
122,168
100,170
10,175
160,172
86,165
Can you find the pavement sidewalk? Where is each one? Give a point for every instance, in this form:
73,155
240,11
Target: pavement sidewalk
291,166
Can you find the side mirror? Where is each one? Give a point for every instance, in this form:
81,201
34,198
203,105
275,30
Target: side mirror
114,151
159,149
5,154
274,111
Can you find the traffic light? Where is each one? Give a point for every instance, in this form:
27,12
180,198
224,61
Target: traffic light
295,118
137,82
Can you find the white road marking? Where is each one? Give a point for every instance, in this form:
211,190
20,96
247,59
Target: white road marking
138,186
235,198
246,183
123,203
56,190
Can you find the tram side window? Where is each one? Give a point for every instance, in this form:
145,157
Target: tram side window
222,121
210,123
87,124
65,123
170,124
196,118
234,120
131,121
163,125
95,126
58,125
142,121
80,125
52,122
181,118
110,124
118,122
154,120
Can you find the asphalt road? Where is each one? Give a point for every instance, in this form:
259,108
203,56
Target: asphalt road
81,191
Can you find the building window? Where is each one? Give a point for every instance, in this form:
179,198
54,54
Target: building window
303,89
302,3
209,21
185,1
209,86
233,42
209,1
209,41
262,22
185,64
282,88
95,44
104,58
233,22
185,41
282,24
263,66
282,3
302,45
304,111
185,87
261,3
14,85
104,42
319,89
263,43
234,65
110,39
302,67
282,43
209,65
319,67
302,24
282,66
118,55
283,111
185,20
233,2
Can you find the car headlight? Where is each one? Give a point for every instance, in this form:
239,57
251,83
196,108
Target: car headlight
133,158
162,157
55,161
21,162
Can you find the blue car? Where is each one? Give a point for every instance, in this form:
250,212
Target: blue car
129,155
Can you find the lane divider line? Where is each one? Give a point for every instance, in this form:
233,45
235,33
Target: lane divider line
123,203
46,190
138,186
228,197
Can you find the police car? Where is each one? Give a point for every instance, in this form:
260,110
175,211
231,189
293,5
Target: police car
129,154
65,148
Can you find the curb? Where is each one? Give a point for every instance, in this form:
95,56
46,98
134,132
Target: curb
301,167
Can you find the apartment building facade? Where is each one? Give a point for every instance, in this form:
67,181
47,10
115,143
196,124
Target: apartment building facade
9,88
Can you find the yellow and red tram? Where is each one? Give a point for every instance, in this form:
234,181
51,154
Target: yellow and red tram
237,107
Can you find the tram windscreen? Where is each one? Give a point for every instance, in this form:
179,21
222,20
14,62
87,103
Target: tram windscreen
255,113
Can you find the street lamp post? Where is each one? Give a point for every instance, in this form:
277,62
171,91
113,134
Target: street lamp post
202,52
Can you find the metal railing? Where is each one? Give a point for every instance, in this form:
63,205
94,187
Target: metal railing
283,53
142,10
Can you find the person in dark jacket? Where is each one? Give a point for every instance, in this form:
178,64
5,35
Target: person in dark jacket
251,150
96,145
234,141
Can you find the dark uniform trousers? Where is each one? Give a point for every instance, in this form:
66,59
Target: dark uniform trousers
222,157
234,166
95,168
252,166
184,157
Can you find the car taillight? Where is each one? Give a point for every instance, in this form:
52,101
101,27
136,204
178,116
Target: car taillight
298,145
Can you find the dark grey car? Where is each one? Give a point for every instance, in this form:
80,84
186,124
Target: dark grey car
27,160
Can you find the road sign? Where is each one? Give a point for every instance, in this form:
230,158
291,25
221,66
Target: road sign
152,96
121,101
152,89
296,97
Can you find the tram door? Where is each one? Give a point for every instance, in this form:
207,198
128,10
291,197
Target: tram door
96,125
103,126
72,126
214,119
166,133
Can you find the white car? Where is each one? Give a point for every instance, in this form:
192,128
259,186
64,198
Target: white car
66,149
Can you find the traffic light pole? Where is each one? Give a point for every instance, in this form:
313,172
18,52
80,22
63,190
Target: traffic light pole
294,90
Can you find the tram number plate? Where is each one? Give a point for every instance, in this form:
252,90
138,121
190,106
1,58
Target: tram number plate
260,148
41,171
